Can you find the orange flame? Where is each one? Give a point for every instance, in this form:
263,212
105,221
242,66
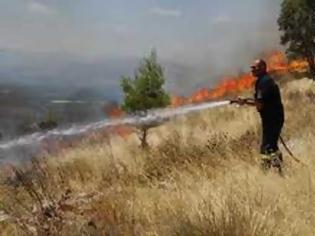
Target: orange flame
227,86
230,85
299,66
177,101
277,63
113,111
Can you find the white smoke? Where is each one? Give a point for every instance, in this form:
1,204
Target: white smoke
23,148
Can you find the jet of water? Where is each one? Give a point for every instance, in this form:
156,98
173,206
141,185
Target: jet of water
27,146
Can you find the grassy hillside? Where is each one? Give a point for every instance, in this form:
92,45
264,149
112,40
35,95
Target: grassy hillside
201,177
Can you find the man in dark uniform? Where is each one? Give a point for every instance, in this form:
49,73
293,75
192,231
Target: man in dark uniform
267,99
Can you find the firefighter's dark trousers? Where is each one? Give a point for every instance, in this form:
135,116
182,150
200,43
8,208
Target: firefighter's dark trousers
271,130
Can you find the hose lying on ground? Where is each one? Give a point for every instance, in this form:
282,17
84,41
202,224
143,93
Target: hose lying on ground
290,152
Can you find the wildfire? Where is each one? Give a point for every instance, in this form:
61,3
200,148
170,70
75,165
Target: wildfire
113,111
277,63
299,66
178,101
230,85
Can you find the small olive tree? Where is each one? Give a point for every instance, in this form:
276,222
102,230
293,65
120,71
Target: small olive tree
145,91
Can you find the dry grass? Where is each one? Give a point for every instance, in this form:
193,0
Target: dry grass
201,177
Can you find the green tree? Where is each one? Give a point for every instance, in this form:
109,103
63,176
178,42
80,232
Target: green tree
297,24
145,91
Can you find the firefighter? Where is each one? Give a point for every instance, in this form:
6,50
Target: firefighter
267,100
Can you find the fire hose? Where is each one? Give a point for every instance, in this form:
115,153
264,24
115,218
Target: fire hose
290,152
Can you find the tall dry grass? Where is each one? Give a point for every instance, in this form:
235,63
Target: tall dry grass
201,177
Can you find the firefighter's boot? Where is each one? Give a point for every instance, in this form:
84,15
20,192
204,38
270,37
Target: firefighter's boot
272,159
265,162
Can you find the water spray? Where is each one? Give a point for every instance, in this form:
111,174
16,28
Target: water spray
25,147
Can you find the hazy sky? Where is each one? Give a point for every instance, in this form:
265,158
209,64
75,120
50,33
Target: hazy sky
215,34
130,27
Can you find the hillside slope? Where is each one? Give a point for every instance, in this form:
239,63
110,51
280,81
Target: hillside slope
201,177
